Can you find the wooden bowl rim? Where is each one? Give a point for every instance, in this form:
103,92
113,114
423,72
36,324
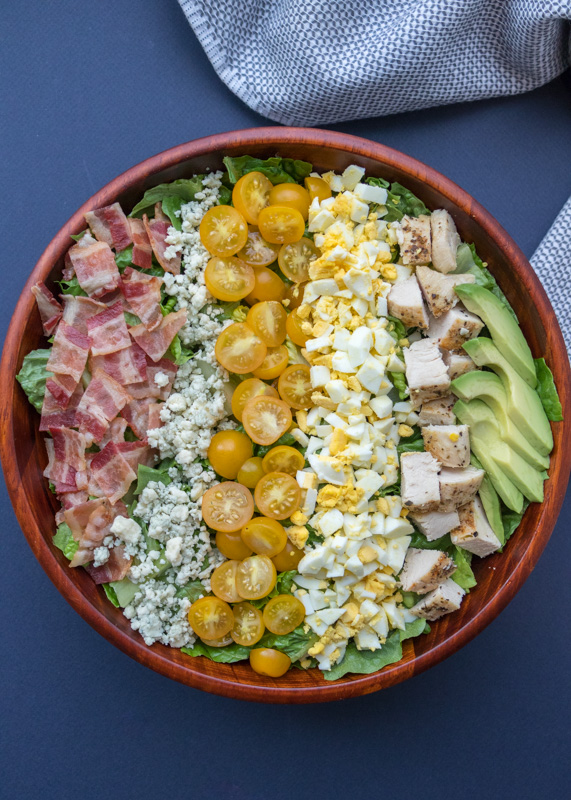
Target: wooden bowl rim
281,137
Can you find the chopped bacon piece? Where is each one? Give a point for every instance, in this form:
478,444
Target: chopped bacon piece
101,402
110,225
155,420
115,432
150,388
69,352
71,499
136,453
114,569
76,310
97,528
112,472
137,414
95,267
143,293
127,366
52,414
69,446
142,251
49,308
108,331
156,343
157,231
61,388
78,515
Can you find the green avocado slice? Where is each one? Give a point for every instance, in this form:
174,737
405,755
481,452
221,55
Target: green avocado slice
491,502
505,331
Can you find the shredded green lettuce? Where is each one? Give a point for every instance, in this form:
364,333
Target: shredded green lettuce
468,261
511,519
170,205
185,189
149,474
294,644
278,170
124,591
33,375
124,259
111,594
261,449
411,444
547,391
72,287
399,382
63,539
463,576
192,590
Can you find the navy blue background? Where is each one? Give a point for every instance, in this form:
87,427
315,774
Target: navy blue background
87,90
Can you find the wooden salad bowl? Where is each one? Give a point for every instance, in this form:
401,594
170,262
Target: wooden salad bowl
499,576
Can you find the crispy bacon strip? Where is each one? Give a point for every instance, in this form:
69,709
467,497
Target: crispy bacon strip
138,413
95,267
142,251
115,432
150,388
108,331
115,569
69,352
49,308
53,416
77,516
127,366
156,343
101,402
157,231
136,453
112,472
61,388
110,225
98,526
77,310
143,293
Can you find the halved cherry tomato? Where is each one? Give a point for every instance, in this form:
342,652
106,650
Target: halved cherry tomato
294,329
283,614
224,641
210,618
257,252
255,577
277,495
223,582
223,231
248,624
280,224
268,320
228,506
250,472
294,386
266,661
227,452
288,558
265,536
266,419
251,194
229,278
268,286
291,195
317,187
232,545
239,349
294,293
274,363
251,387
294,259
283,458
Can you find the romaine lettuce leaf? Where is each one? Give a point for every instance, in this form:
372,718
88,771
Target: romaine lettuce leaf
547,391
124,259
179,352
63,539
33,375
401,201
278,170
222,655
399,382
261,449
124,590
511,519
72,287
463,576
170,205
184,188
111,594
148,474
412,444
294,644
468,260
192,590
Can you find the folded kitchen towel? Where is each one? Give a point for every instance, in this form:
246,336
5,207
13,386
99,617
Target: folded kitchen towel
312,62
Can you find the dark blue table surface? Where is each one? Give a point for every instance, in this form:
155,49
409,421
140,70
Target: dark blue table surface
89,89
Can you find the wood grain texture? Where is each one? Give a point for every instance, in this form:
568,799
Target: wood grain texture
499,576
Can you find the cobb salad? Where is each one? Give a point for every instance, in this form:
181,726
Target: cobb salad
283,412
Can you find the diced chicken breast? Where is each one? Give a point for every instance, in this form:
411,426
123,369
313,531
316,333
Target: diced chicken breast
426,373
457,363
438,289
405,303
445,241
474,532
415,241
454,328
438,411
446,598
420,488
435,524
449,444
425,570
458,486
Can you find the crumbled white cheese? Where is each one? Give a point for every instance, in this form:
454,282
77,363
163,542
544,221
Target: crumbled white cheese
160,616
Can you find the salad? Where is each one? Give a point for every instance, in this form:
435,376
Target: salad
283,412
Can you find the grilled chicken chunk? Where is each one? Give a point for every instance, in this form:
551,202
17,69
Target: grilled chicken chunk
446,598
457,363
445,241
450,444
415,240
438,289
420,488
425,570
438,411
405,303
458,486
454,328
474,532
435,524
426,372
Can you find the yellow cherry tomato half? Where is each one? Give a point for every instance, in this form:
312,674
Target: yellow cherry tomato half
228,506
288,558
251,387
266,661
294,386
294,296
283,458
317,187
274,363
251,194
227,452
248,624
231,545
277,495
250,472
224,641
210,618
294,329
268,320
291,195
265,536
223,582
257,252
268,286
228,279
239,349
283,614
295,258
266,418
223,231
255,577
281,224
